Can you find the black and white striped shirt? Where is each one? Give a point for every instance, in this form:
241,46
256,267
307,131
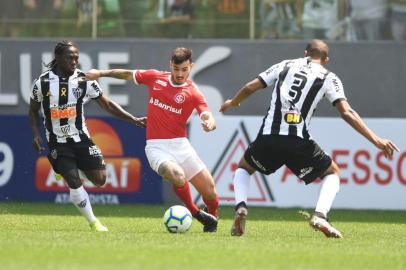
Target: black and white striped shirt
298,86
62,101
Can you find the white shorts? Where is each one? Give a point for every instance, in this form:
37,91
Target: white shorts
178,150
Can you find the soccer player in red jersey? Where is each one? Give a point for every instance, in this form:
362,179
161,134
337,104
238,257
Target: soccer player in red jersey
172,99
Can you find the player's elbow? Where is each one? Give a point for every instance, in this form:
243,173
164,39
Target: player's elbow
348,115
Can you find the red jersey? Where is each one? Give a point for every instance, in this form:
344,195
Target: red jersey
169,105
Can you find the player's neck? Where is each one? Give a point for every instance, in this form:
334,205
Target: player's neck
59,72
173,82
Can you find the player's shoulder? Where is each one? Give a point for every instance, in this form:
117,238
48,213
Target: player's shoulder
43,75
150,72
331,75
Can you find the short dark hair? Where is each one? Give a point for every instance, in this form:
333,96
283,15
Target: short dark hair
317,49
180,55
60,48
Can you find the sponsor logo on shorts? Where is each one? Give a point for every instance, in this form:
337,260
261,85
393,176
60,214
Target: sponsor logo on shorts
54,154
95,151
305,171
259,165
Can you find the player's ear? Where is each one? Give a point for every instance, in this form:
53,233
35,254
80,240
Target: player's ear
306,53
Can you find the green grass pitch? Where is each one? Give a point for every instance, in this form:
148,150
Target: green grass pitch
49,236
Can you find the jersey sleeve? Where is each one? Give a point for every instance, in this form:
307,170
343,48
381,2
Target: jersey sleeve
335,89
200,102
144,76
269,76
93,90
36,92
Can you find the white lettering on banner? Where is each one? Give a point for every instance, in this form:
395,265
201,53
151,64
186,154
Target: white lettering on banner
368,179
94,198
157,103
208,58
25,76
7,99
6,163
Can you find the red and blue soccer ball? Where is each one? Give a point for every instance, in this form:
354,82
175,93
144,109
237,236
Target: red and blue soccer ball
177,219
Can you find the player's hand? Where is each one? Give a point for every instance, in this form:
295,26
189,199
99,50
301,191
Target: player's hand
227,105
93,74
208,125
37,144
387,146
140,121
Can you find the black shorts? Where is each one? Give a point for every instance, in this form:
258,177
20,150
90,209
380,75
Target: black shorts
82,155
303,157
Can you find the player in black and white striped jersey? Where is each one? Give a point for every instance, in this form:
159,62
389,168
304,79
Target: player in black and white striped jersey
59,95
283,139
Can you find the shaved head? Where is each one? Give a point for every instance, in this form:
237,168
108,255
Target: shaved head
317,49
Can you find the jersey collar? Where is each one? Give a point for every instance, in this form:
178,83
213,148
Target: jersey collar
176,85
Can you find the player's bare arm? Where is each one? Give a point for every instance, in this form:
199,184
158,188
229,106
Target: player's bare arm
34,121
208,122
242,94
122,74
118,111
352,118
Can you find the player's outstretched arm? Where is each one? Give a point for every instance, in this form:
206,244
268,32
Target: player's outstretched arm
34,121
123,74
352,118
208,122
246,91
118,111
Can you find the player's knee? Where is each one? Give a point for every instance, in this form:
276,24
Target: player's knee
335,169
100,179
73,180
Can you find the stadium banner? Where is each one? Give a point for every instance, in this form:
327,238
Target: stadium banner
220,68
368,179
26,175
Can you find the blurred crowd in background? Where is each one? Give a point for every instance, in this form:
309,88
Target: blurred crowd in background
346,20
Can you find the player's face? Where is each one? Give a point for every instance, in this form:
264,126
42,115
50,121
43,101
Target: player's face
180,72
68,61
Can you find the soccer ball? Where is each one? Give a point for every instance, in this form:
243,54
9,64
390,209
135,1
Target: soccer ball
177,219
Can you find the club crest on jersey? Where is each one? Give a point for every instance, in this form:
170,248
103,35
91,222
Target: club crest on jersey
77,92
179,98
293,118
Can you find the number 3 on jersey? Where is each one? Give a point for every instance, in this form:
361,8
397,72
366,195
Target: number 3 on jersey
297,86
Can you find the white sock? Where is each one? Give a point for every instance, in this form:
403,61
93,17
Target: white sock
80,199
241,185
330,186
